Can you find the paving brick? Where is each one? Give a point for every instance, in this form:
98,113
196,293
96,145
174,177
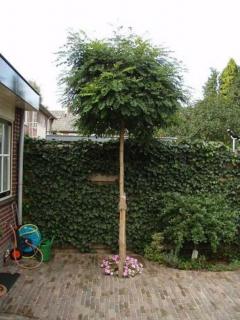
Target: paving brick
72,287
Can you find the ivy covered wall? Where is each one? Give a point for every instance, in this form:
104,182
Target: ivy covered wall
61,200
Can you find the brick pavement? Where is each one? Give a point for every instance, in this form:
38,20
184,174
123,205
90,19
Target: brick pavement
72,287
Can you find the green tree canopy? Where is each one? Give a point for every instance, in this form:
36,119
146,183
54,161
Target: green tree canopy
121,79
228,77
218,111
212,117
211,87
208,119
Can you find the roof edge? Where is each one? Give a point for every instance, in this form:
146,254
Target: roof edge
46,111
12,67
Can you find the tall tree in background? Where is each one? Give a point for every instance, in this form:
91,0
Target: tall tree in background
122,85
210,89
210,119
218,111
228,78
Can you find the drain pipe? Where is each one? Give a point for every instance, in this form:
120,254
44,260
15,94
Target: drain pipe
20,170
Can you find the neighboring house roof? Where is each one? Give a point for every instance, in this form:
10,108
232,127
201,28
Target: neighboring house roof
46,112
95,138
70,138
64,121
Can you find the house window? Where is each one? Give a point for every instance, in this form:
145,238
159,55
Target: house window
5,158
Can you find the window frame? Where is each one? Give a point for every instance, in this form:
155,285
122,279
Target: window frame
4,193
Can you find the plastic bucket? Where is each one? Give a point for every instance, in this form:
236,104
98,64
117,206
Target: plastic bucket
46,249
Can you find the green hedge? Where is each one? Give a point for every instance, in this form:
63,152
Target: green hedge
59,198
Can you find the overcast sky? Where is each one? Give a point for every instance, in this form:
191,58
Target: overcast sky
201,33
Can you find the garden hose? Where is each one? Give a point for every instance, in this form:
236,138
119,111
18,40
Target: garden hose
32,234
28,225
35,248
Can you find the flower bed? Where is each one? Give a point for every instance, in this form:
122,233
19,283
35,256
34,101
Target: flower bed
132,266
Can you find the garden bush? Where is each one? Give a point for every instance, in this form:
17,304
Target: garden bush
199,222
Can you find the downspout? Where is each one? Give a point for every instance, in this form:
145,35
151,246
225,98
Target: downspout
20,170
48,123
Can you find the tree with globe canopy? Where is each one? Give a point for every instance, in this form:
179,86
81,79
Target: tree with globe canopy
121,85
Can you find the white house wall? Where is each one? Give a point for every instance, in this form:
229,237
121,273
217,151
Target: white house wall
41,131
41,125
7,105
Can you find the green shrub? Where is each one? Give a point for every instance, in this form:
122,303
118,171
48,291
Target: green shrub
201,263
199,221
155,250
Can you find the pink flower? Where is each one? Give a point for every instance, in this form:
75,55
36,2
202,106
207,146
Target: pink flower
131,268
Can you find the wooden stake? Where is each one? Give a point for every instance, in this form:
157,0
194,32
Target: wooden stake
122,205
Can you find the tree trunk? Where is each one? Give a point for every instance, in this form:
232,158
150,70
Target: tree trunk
122,206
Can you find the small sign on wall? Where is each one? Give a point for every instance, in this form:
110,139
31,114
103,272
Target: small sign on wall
103,179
